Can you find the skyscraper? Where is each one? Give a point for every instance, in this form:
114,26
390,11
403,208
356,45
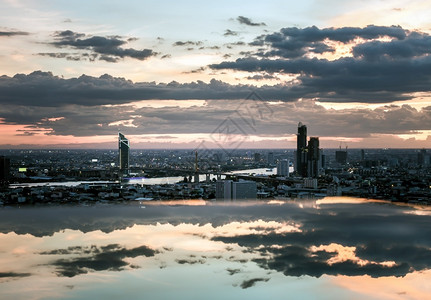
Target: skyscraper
123,153
283,167
313,159
301,150
4,168
341,156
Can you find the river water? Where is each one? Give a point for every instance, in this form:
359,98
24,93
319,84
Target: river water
331,248
146,181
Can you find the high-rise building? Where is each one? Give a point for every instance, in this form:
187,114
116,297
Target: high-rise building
283,167
235,190
362,154
270,158
341,156
224,189
4,168
301,150
123,153
196,175
423,158
313,158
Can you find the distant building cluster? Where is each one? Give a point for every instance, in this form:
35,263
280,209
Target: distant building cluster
37,176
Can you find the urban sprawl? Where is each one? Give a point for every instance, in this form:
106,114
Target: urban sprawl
92,176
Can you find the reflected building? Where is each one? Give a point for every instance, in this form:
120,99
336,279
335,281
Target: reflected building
123,153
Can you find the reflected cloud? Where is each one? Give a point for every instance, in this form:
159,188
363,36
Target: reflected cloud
111,257
13,274
255,245
251,282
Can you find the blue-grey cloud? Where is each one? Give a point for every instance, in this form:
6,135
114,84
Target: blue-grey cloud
10,33
295,42
44,89
187,43
110,257
248,21
378,70
106,48
229,32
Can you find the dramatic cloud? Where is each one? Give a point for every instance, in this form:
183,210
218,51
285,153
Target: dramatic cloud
254,117
45,89
105,48
385,64
294,42
247,21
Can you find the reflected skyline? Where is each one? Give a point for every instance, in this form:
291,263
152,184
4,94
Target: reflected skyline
245,248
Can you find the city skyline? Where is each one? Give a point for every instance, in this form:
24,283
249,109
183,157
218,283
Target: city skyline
175,75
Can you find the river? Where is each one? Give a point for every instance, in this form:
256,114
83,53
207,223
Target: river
143,180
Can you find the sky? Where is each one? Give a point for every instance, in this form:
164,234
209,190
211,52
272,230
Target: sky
229,74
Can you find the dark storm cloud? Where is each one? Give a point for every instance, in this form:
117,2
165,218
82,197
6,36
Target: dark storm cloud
111,257
44,89
346,79
107,48
247,21
414,45
295,42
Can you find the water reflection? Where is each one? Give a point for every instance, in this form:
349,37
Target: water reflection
213,250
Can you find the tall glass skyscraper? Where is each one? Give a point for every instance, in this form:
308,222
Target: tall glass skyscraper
123,153
301,150
313,162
